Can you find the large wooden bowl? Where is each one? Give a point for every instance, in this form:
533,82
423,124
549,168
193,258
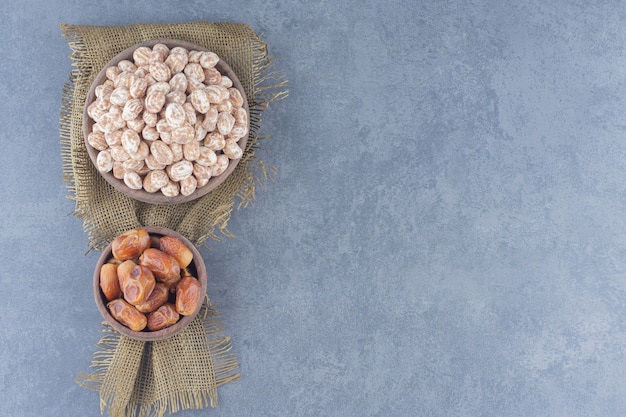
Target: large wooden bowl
197,269
158,197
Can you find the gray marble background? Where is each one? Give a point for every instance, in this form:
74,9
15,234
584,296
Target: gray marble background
445,235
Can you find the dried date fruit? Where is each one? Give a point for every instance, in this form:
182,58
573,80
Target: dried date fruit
130,244
114,261
159,295
109,283
164,266
123,271
187,295
163,317
176,248
138,285
127,315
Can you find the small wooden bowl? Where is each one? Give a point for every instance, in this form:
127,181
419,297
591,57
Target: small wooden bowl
158,197
197,268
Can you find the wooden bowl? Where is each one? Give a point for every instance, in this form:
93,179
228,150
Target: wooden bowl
141,194
197,269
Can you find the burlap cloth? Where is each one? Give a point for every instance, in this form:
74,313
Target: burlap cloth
151,378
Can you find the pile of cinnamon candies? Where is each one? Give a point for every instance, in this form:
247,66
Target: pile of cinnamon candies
167,120
147,282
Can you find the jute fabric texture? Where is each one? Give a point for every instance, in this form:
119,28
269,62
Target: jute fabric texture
145,379
183,372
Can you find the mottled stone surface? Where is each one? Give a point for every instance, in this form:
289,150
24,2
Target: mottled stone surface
443,236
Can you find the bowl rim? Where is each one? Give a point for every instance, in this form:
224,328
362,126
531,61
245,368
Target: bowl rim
158,197
162,334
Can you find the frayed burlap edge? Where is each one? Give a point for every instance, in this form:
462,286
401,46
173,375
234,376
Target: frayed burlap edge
224,371
268,86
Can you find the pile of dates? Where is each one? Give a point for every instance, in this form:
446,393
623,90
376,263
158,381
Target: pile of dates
148,282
